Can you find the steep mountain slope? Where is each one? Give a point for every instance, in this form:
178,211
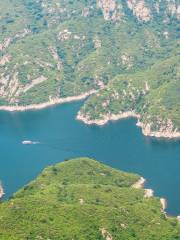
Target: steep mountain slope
151,95
60,48
84,199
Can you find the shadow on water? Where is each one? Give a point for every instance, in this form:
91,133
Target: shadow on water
118,144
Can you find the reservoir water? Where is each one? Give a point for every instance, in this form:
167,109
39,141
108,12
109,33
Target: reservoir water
118,144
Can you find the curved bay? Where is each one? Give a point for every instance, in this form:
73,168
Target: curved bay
118,144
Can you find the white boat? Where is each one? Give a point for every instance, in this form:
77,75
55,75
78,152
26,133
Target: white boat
27,142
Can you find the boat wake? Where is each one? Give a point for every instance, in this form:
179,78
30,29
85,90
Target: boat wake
29,142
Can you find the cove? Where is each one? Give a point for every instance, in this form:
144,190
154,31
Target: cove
118,144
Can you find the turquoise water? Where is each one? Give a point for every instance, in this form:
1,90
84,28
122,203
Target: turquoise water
119,144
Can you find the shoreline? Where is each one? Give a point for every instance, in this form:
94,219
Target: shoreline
149,193
130,114
163,202
99,122
1,191
55,101
112,117
157,134
139,184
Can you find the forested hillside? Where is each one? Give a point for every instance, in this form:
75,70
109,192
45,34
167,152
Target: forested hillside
126,50
82,199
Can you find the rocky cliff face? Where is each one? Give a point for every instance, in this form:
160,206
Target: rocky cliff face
112,10
142,10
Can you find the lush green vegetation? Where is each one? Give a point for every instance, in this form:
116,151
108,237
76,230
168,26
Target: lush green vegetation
76,48
78,198
153,93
